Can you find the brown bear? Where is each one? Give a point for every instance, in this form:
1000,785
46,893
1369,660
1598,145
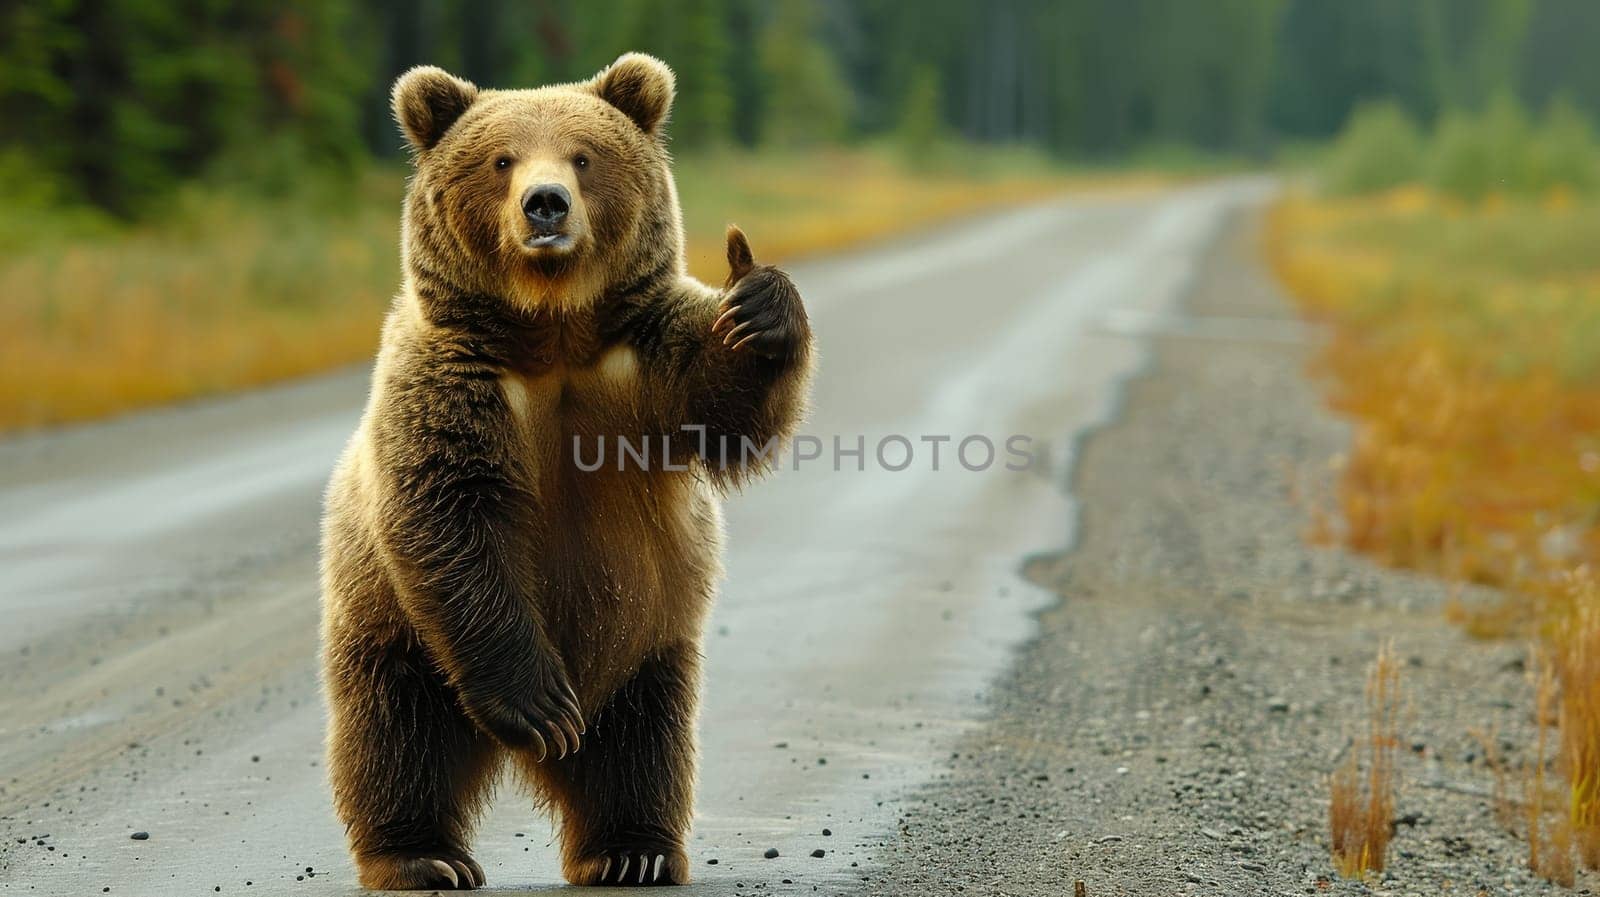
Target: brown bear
485,595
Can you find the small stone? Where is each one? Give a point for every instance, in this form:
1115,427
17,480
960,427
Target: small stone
771,854
711,862
827,833
819,853
140,836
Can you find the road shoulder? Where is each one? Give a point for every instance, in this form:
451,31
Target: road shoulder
1172,727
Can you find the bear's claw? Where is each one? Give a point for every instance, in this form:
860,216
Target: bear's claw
762,312
395,873
548,722
632,868
645,870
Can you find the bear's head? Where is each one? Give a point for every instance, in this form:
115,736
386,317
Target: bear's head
543,197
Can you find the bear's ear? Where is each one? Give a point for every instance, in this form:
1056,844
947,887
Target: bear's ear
427,100
641,86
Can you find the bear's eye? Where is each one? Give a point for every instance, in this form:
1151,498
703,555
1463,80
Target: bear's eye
501,163
580,161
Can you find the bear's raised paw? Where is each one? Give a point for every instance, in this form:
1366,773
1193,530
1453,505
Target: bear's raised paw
631,867
761,309
762,313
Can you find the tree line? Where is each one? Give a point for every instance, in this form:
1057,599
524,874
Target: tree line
115,101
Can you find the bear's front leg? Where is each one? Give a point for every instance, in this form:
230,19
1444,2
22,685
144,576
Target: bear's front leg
730,368
626,800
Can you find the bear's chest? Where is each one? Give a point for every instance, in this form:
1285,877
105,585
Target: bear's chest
560,408
550,391
633,540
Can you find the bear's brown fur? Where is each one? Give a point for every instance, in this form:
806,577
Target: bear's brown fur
483,596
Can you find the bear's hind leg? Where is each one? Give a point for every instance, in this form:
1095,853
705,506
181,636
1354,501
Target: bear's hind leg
409,772
626,798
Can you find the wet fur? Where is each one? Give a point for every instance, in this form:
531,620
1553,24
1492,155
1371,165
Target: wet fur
484,599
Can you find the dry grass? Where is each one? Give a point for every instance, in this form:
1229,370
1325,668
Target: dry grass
1471,359
228,292
1466,346
1362,790
1573,657
1549,841
225,293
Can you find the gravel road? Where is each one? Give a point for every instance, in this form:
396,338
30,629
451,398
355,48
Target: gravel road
911,688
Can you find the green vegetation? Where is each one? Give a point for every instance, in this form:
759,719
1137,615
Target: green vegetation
1469,156
115,104
1380,149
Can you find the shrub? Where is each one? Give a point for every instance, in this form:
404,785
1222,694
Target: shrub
1380,148
1469,156
1562,153
920,132
1475,155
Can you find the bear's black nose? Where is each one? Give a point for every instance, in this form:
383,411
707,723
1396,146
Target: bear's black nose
546,206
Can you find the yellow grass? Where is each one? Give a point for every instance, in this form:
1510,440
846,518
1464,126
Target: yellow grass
1465,343
229,292
1573,657
1549,843
1362,790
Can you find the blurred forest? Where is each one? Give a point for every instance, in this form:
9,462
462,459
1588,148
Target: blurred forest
202,195
111,103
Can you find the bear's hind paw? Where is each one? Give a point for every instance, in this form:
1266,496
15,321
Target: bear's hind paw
630,867
406,873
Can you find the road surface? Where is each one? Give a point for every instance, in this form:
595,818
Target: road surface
158,580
